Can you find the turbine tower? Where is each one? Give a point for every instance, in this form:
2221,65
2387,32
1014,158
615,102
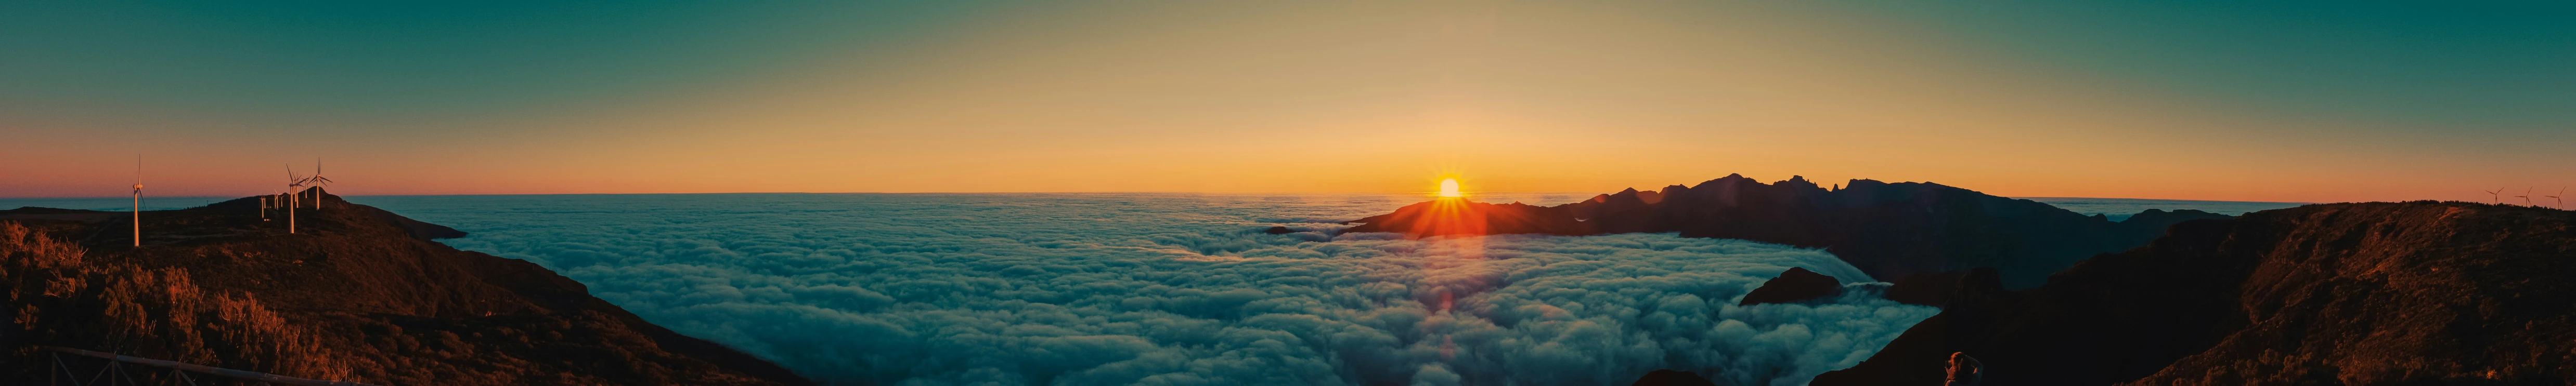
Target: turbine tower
2562,200
292,183
2526,196
317,180
138,201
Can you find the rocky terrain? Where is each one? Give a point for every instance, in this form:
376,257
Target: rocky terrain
1888,230
1795,285
356,294
2412,293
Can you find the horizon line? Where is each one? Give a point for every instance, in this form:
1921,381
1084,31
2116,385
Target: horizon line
1078,192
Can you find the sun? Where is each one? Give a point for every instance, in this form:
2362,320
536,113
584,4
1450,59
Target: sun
1449,188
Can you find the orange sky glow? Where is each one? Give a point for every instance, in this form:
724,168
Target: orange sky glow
1330,97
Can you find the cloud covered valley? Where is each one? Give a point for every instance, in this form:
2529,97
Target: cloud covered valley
1171,289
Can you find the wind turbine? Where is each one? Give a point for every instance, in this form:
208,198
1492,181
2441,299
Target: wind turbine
317,180
291,184
138,201
2562,201
2526,196
2493,194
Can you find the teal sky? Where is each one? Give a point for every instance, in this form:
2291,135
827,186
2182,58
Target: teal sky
2270,101
2501,65
416,59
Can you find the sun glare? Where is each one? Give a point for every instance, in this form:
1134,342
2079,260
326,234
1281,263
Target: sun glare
1449,188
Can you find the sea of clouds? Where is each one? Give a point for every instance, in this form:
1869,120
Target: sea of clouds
1171,289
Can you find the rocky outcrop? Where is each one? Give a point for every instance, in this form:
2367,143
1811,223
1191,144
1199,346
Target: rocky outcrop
356,294
1796,285
1888,230
2351,294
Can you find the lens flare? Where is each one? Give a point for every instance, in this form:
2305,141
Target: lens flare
1449,188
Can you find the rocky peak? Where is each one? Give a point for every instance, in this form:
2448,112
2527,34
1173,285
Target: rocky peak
1797,285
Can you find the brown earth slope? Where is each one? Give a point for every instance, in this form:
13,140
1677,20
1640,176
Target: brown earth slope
357,294
2338,294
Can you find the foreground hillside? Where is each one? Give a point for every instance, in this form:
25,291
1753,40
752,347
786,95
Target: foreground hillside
2338,294
357,294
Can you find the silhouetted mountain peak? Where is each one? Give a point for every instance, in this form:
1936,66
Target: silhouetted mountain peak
1800,182
1796,285
1887,230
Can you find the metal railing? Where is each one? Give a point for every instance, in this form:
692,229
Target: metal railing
115,373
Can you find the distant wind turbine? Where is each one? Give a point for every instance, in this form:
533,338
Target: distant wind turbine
317,180
2562,201
292,183
2493,195
138,201
2526,196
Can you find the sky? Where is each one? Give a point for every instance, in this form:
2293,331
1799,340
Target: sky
2297,102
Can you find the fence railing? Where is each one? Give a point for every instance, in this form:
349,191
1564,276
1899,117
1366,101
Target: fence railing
115,371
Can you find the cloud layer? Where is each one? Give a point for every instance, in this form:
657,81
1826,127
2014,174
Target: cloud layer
1084,289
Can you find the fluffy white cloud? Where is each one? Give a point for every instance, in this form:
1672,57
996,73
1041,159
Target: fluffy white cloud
1081,289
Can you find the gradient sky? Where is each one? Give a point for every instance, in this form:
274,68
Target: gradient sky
2308,102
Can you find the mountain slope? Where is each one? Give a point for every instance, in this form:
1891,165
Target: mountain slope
356,294
2357,294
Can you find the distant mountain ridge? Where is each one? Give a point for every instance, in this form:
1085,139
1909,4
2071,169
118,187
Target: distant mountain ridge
1888,230
357,294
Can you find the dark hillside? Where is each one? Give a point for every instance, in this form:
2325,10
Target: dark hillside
357,294
2413,293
